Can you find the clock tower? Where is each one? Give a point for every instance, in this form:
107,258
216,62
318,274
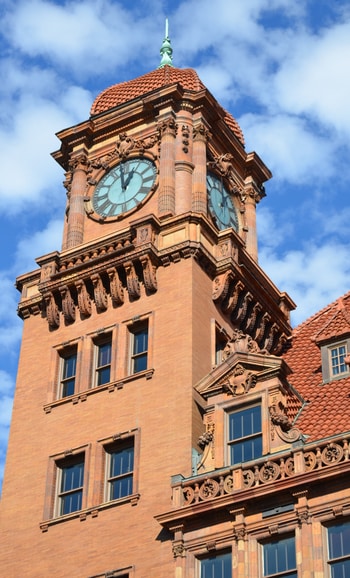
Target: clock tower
131,328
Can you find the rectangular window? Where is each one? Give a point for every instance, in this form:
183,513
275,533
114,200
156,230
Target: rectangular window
103,361
337,355
279,558
139,348
245,435
339,550
120,469
68,373
219,566
70,479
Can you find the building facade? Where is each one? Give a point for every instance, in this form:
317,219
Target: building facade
167,420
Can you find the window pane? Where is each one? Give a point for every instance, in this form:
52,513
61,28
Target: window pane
339,540
68,372
140,363
122,461
103,365
338,355
71,486
121,465
245,427
71,502
140,340
216,567
279,556
104,354
69,366
72,477
139,349
68,387
121,487
103,375
340,569
245,422
247,450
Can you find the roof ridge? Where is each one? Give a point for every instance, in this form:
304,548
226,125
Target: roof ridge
321,312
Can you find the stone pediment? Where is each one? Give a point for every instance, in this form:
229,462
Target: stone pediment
240,372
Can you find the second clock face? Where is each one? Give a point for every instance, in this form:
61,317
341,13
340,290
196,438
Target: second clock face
124,187
220,203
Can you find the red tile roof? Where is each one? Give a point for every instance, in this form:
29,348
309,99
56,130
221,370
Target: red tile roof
327,411
166,76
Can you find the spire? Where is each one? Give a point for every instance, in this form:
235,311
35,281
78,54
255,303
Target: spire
166,50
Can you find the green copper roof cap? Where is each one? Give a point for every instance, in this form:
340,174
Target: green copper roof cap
166,51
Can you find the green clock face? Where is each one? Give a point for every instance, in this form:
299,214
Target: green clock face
124,187
220,203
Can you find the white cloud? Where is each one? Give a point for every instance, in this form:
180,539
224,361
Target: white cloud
314,78
40,243
313,277
30,137
85,37
289,147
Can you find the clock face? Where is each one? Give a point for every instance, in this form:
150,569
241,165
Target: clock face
124,187
220,203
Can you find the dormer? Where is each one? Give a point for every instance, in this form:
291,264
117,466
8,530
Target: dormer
334,342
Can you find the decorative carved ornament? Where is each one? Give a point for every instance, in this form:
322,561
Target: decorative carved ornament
223,165
116,287
68,306
221,286
239,382
84,301
52,311
167,126
149,274
102,289
100,294
200,132
124,146
241,342
281,424
178,550
132,280
80,162
185,132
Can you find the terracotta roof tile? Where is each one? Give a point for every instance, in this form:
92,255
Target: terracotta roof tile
327,411
166,76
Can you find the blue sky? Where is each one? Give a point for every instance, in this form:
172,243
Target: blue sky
281,67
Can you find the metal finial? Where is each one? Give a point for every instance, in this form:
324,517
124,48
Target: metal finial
166,51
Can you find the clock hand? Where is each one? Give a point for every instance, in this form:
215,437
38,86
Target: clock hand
129,177
122,178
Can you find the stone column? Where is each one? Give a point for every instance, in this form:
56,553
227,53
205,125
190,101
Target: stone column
183,163
166,199
199,185
252,197
76,214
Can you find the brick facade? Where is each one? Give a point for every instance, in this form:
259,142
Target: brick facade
166,268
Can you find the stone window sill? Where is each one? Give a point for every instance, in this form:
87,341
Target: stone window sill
93,512
110,387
